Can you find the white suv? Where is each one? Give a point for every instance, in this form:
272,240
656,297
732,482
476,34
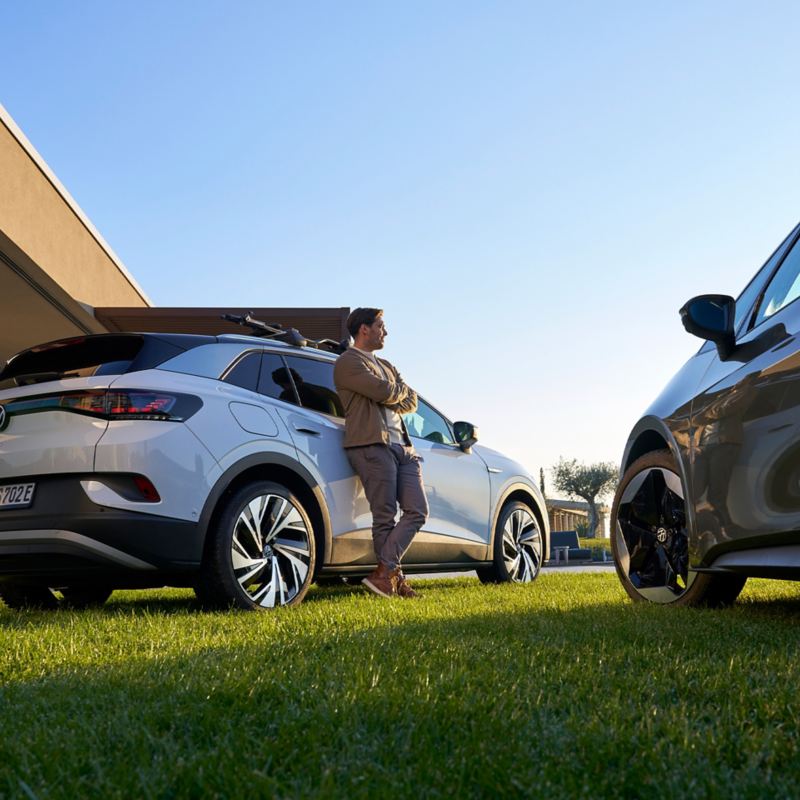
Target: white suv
143,460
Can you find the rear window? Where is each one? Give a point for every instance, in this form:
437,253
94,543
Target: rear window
86,356
245,372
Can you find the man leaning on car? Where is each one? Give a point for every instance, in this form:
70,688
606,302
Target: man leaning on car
379,449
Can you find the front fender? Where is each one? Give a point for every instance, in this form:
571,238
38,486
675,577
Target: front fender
652,433
532,495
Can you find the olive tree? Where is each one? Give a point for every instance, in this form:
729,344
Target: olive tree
590,482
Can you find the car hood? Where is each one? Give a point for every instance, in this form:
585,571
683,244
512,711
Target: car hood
496,460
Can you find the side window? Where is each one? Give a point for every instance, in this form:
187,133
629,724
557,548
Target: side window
784,288
275,381
425,423
314,383
244,372
745,301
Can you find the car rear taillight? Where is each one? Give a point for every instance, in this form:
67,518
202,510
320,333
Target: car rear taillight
127,404
140,405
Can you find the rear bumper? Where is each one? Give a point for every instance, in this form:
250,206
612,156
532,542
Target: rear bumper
64,532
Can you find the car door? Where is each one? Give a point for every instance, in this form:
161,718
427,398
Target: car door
457,486
313,413
745,452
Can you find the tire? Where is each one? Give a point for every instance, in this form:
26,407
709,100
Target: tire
650,539
261,552
21,597
85,596
517,547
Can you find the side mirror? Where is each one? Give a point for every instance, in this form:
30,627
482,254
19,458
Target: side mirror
466,435
710,316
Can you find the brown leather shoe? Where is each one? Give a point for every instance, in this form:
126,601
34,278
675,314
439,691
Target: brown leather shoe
404,589
382,581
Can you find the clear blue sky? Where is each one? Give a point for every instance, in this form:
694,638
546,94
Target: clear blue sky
530,190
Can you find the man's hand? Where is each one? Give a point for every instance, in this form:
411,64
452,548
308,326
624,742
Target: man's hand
406,406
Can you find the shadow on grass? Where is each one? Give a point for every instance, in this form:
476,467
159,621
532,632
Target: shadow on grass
136,603
780,609
133,602
512,701
141,602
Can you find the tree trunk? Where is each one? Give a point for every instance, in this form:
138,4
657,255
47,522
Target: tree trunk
593,519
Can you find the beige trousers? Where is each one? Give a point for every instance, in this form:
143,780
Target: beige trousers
392,476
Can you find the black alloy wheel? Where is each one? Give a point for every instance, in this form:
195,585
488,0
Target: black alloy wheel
650,539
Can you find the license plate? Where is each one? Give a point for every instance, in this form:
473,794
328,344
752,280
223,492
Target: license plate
16,495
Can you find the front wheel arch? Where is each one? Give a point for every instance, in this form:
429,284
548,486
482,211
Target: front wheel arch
518,554
521,493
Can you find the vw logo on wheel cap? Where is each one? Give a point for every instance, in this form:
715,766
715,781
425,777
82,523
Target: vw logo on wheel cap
3,418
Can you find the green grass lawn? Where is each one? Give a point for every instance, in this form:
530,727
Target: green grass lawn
559,689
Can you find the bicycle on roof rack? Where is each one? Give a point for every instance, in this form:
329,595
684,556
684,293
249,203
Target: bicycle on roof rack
290,336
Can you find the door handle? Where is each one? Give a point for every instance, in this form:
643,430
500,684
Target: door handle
309,431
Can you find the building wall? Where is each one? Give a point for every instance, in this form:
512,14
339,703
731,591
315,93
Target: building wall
567,515
59,277
39,216
561,520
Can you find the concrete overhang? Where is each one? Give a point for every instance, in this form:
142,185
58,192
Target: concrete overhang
313,323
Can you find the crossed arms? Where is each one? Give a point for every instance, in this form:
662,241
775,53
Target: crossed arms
355,376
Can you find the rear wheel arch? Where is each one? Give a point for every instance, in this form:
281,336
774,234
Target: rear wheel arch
278,469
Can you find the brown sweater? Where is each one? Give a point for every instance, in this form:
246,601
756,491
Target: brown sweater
364,391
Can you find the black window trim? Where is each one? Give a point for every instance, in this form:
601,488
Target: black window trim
288,369
237,360
746,326
794,235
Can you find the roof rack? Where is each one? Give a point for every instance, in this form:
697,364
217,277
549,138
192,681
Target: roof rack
288,335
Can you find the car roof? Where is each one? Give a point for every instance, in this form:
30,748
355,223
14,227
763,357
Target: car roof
283,347
178,342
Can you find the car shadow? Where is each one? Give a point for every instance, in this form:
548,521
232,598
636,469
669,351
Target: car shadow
142,603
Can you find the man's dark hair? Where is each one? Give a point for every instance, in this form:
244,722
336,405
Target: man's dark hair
361,316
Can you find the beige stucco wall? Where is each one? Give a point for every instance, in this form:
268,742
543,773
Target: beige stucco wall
37,216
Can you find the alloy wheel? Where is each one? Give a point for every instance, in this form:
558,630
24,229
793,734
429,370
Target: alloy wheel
522,546
271,550
652,543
